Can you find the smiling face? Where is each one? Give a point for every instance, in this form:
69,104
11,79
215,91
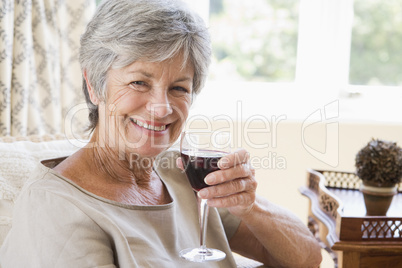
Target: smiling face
146,105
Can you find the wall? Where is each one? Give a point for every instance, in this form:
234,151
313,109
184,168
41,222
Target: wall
294,146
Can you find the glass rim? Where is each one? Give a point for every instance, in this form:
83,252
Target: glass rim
209,139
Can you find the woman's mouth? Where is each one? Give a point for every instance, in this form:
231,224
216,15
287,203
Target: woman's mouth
148,126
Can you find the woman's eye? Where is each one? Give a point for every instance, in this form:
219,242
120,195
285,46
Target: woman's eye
138,83
182,89
139,86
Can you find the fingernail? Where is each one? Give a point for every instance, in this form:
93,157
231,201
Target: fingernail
203,193
210,179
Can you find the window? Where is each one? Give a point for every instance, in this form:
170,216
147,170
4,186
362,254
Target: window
254,40
354,42
288,52
329,58
376,55
344,42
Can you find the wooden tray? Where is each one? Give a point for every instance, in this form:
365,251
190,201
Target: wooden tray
337,215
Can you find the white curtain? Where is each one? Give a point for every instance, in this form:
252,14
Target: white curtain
40,78
325,29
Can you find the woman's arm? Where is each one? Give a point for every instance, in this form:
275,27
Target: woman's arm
277,238
267,233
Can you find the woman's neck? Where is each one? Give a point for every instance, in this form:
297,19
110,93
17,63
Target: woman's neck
102,171
114,163
121,185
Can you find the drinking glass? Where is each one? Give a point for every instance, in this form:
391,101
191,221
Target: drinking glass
200,153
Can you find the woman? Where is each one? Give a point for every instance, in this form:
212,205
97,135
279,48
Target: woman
111,204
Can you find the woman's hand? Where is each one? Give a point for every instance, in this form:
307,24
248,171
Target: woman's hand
233,186
267,232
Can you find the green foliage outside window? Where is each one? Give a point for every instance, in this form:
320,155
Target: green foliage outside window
376,52
254,40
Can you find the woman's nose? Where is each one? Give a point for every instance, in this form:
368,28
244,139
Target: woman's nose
160,106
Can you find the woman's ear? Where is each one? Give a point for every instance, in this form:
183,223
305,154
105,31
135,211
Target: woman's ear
92,95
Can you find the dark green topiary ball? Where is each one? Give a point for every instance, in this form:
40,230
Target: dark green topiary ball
380,163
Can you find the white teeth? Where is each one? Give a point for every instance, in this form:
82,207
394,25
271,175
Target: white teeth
150,127
138,123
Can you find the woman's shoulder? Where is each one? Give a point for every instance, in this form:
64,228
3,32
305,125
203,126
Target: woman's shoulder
166,162
169,154
43,184
165,166
45,179
40,176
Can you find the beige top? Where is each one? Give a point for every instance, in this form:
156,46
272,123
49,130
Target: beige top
56,223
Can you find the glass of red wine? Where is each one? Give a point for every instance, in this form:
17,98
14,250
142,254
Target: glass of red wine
200,153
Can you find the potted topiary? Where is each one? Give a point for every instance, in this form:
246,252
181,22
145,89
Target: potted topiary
379,166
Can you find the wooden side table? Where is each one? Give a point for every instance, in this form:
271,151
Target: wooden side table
338,221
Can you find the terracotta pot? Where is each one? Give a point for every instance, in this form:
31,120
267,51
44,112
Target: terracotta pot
377,199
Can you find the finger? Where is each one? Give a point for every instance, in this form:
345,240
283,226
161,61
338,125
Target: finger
236,186
242,199
179,163
220,176
239,157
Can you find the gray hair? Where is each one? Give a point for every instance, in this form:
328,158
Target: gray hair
124,31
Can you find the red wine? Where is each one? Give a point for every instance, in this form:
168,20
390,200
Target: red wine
198,166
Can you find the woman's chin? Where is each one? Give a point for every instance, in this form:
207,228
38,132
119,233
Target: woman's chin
146,151
148,145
